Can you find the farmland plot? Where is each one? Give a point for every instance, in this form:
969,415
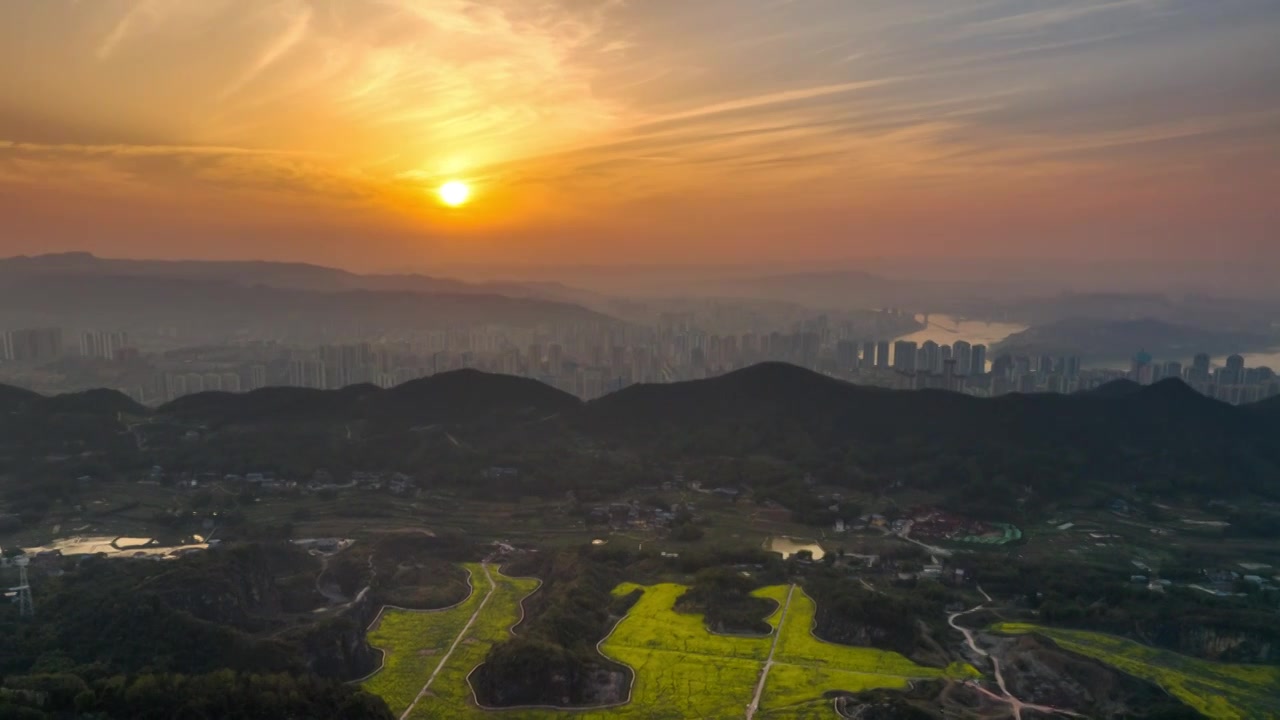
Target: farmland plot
1216,690
681,669
414,642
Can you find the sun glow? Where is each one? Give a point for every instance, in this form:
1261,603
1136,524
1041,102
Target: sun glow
454,193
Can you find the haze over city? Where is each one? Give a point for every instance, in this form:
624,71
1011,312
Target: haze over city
746,132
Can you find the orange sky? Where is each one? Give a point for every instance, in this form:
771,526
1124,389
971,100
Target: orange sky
655,131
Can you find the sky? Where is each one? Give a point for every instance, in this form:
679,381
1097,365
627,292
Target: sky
641,131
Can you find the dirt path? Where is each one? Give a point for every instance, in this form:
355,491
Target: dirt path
335,597
1016,706
768,663
456,641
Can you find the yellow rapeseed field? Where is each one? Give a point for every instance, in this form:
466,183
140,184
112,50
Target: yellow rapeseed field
1216,690
681,669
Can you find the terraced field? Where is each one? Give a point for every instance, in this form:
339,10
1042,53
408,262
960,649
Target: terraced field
681,669
1216,690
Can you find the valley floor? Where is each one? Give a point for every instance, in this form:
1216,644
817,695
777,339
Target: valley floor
681,669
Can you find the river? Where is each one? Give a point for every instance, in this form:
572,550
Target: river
947,329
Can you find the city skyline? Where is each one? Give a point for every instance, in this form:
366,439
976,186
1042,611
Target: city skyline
592,361
658,132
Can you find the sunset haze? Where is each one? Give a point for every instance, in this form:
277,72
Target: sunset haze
653,131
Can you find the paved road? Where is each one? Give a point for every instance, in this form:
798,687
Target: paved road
456,641
764,672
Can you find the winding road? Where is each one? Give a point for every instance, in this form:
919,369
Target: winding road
768,663
1016,706
456,641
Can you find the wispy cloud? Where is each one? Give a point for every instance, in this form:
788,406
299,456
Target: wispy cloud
296,21
553,107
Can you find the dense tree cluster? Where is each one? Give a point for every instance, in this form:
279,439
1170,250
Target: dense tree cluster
205,636
723,596
553,657
212,696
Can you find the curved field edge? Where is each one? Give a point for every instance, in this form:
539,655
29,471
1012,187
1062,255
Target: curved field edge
410,639
678,668
450,695
806,666
1216,690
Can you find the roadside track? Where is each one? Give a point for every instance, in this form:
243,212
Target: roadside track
456,641
768,663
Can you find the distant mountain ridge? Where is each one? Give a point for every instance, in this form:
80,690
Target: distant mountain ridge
1099,340
216,301
284,275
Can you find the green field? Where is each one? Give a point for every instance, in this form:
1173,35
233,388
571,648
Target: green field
805,667
681,669
1216,690
450,694
415,641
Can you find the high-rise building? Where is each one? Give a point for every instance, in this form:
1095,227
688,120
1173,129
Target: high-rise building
846,355
950,380
882,354
868,354
1071,366
932,357
257,376
1021,366
6,345
904,356
100,344
175,385
1199,368
1045,365
308,373
978,361
1173,369
36,344
555,359
1140,369
962,351
1233,374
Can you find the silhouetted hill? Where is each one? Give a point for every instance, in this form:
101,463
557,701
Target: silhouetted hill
12,398
459,396
89,402
1268,409
466,396
94,402
34,426
1161,439
267,405
1164,435
1116,388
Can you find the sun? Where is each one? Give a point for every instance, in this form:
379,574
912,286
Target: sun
454,193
